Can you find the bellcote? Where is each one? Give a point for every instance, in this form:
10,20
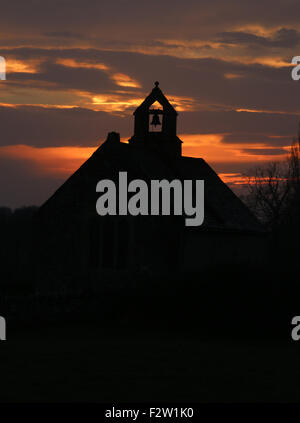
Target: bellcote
155,124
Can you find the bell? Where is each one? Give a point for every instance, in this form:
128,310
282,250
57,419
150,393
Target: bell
155,119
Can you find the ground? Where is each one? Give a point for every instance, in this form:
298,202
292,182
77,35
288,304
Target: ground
86,363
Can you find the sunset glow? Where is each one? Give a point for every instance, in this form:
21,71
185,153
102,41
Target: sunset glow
71,63
63,161
57,162
71,81
23,66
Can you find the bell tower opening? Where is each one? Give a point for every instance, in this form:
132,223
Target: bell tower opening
156,117
155,124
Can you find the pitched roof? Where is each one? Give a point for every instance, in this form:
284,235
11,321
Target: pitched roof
223,209
156,95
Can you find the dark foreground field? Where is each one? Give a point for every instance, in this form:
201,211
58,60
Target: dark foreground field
203,338
85,363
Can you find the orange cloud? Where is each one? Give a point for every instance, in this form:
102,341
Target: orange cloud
54,161
72,63
213,150
124,80
278,112
207,49
63,161
114,102
45,106
24,66
233,178
120,79
119,103
233,75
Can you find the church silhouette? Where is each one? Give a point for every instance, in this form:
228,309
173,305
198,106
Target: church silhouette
77,246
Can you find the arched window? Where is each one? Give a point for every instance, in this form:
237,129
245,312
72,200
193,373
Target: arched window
155,117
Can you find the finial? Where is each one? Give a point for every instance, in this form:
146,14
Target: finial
156,83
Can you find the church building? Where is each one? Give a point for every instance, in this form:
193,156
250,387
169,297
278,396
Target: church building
76,244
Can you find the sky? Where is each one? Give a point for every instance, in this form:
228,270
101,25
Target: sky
77,70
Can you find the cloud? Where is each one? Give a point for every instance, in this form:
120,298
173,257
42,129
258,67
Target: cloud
42,127
225,64
64,34
112,20
265,151
206,81
22,184
282,38
66,78
46,126
242,127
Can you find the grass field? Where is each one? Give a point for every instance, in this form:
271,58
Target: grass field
86,363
